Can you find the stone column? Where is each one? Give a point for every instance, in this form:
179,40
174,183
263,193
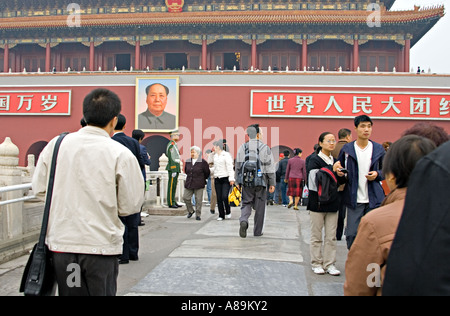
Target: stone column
163,161
137,55
204,54
304,54
48,57
355,55
407,51
10,174
254,54
92,56
6,59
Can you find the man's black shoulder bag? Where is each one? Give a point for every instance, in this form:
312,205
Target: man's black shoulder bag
38,278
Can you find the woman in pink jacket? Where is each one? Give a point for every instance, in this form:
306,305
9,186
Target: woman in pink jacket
295,177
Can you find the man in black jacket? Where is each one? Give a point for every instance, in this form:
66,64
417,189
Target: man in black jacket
281,176
129,142
131,235
420,254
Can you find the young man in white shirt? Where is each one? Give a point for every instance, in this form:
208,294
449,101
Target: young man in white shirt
96,181
363,159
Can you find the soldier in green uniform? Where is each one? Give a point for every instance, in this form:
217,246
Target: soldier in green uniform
173,167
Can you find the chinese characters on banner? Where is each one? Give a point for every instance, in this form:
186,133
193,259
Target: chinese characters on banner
345,104
51,102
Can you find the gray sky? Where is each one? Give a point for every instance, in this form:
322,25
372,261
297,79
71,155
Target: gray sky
433,50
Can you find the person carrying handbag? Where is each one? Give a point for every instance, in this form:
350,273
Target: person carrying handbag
323,205
96,181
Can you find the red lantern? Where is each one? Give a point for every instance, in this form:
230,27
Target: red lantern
175,5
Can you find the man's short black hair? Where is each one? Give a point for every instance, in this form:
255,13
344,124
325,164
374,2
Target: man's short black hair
138,134
100,106
361,119
253,130
121,121
155,84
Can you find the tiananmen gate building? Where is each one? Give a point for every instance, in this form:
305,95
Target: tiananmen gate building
158,35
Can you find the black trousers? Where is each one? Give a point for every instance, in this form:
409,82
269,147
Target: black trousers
222,191
86,275
131,237
341,217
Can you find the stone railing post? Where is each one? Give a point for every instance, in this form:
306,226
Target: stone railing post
10,174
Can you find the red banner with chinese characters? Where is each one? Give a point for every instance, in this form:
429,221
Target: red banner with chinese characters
347,104
42,102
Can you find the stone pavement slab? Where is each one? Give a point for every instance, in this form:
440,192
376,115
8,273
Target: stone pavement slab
216,261
223,277
238,248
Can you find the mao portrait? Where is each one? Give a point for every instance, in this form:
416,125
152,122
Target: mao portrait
157,104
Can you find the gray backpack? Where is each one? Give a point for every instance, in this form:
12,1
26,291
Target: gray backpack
251,173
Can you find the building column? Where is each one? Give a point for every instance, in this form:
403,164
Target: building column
254,54
401,61
355,55
48,57
92,57
204,54
304,54
137,56
6,59
407,52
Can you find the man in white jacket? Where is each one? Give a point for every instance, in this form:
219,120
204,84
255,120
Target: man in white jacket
96,181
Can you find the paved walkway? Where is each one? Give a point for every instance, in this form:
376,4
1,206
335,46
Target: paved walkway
180,256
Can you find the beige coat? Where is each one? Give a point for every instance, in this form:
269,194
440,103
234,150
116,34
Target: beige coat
371,248
97,180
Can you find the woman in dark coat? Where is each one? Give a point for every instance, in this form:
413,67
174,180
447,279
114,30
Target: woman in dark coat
197,171
324,216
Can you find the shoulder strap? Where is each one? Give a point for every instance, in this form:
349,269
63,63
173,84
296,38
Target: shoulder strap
48,200
330,173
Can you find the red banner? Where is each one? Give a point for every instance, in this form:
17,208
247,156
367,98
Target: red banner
48,102
346,104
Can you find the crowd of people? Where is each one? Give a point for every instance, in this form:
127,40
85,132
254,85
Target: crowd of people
395,213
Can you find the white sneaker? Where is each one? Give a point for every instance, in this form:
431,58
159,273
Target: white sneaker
228,216
220,219
333,271
318,270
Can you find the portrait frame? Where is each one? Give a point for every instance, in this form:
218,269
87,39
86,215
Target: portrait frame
145,119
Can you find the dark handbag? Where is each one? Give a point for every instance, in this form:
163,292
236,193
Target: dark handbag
38,277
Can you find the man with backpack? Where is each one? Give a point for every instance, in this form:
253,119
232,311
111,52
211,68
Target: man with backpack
255,171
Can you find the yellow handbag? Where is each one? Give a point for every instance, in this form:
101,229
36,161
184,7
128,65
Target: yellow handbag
234,198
